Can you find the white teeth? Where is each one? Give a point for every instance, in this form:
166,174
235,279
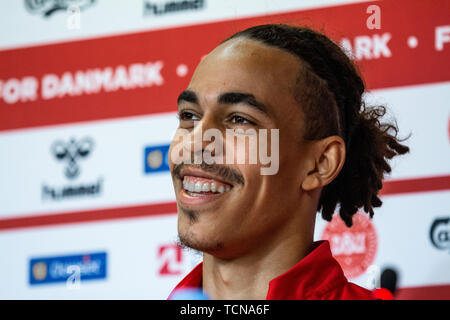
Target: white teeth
205,187
199,187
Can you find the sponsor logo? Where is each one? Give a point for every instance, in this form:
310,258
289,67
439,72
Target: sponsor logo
172,260
71,153
156,159
46,8
170,257
57,269
161,8
440,233
355,247
59,193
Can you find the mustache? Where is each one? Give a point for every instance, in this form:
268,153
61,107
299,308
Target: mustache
224,172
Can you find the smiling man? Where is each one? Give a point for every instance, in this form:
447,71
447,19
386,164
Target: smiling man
256,230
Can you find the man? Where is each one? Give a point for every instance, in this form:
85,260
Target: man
256,230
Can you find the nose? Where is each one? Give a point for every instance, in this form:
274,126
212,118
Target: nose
205,141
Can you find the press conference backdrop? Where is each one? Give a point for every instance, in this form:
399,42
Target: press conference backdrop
87,108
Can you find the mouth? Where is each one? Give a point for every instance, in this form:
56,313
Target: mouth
199,187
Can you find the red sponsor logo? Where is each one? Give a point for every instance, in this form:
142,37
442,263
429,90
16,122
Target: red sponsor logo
170,257
354,248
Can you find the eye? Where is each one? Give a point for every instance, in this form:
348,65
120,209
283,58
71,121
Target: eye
236,119
186,115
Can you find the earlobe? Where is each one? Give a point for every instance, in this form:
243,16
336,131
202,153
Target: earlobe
311,182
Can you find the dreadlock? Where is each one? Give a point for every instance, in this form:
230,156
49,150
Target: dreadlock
330,92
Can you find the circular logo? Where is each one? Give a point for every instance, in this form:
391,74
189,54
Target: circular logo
440,233
155,159
39,271
355,247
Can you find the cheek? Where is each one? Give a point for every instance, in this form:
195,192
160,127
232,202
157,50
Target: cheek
293,157
242,148
256,188
179,148
261,206
170,158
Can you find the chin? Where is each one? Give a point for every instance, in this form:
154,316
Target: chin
190,240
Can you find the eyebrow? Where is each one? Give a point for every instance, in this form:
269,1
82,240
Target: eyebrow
226,98
188,96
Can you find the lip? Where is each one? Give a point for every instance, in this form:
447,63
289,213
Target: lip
201,174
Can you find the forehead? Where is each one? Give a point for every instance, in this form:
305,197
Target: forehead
246,65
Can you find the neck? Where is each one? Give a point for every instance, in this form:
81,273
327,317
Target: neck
247,277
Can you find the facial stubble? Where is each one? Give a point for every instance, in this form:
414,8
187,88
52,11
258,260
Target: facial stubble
188,239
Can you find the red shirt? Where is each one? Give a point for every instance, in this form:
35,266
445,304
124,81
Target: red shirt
318,276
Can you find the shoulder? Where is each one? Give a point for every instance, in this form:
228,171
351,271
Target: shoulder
346,291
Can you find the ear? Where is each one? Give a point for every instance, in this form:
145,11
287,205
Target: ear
329,158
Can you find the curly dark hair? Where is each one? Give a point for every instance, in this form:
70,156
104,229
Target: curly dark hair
330,91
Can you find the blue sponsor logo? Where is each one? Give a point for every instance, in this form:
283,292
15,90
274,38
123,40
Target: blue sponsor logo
156,158
59,269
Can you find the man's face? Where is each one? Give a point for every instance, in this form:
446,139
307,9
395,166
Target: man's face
242,84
